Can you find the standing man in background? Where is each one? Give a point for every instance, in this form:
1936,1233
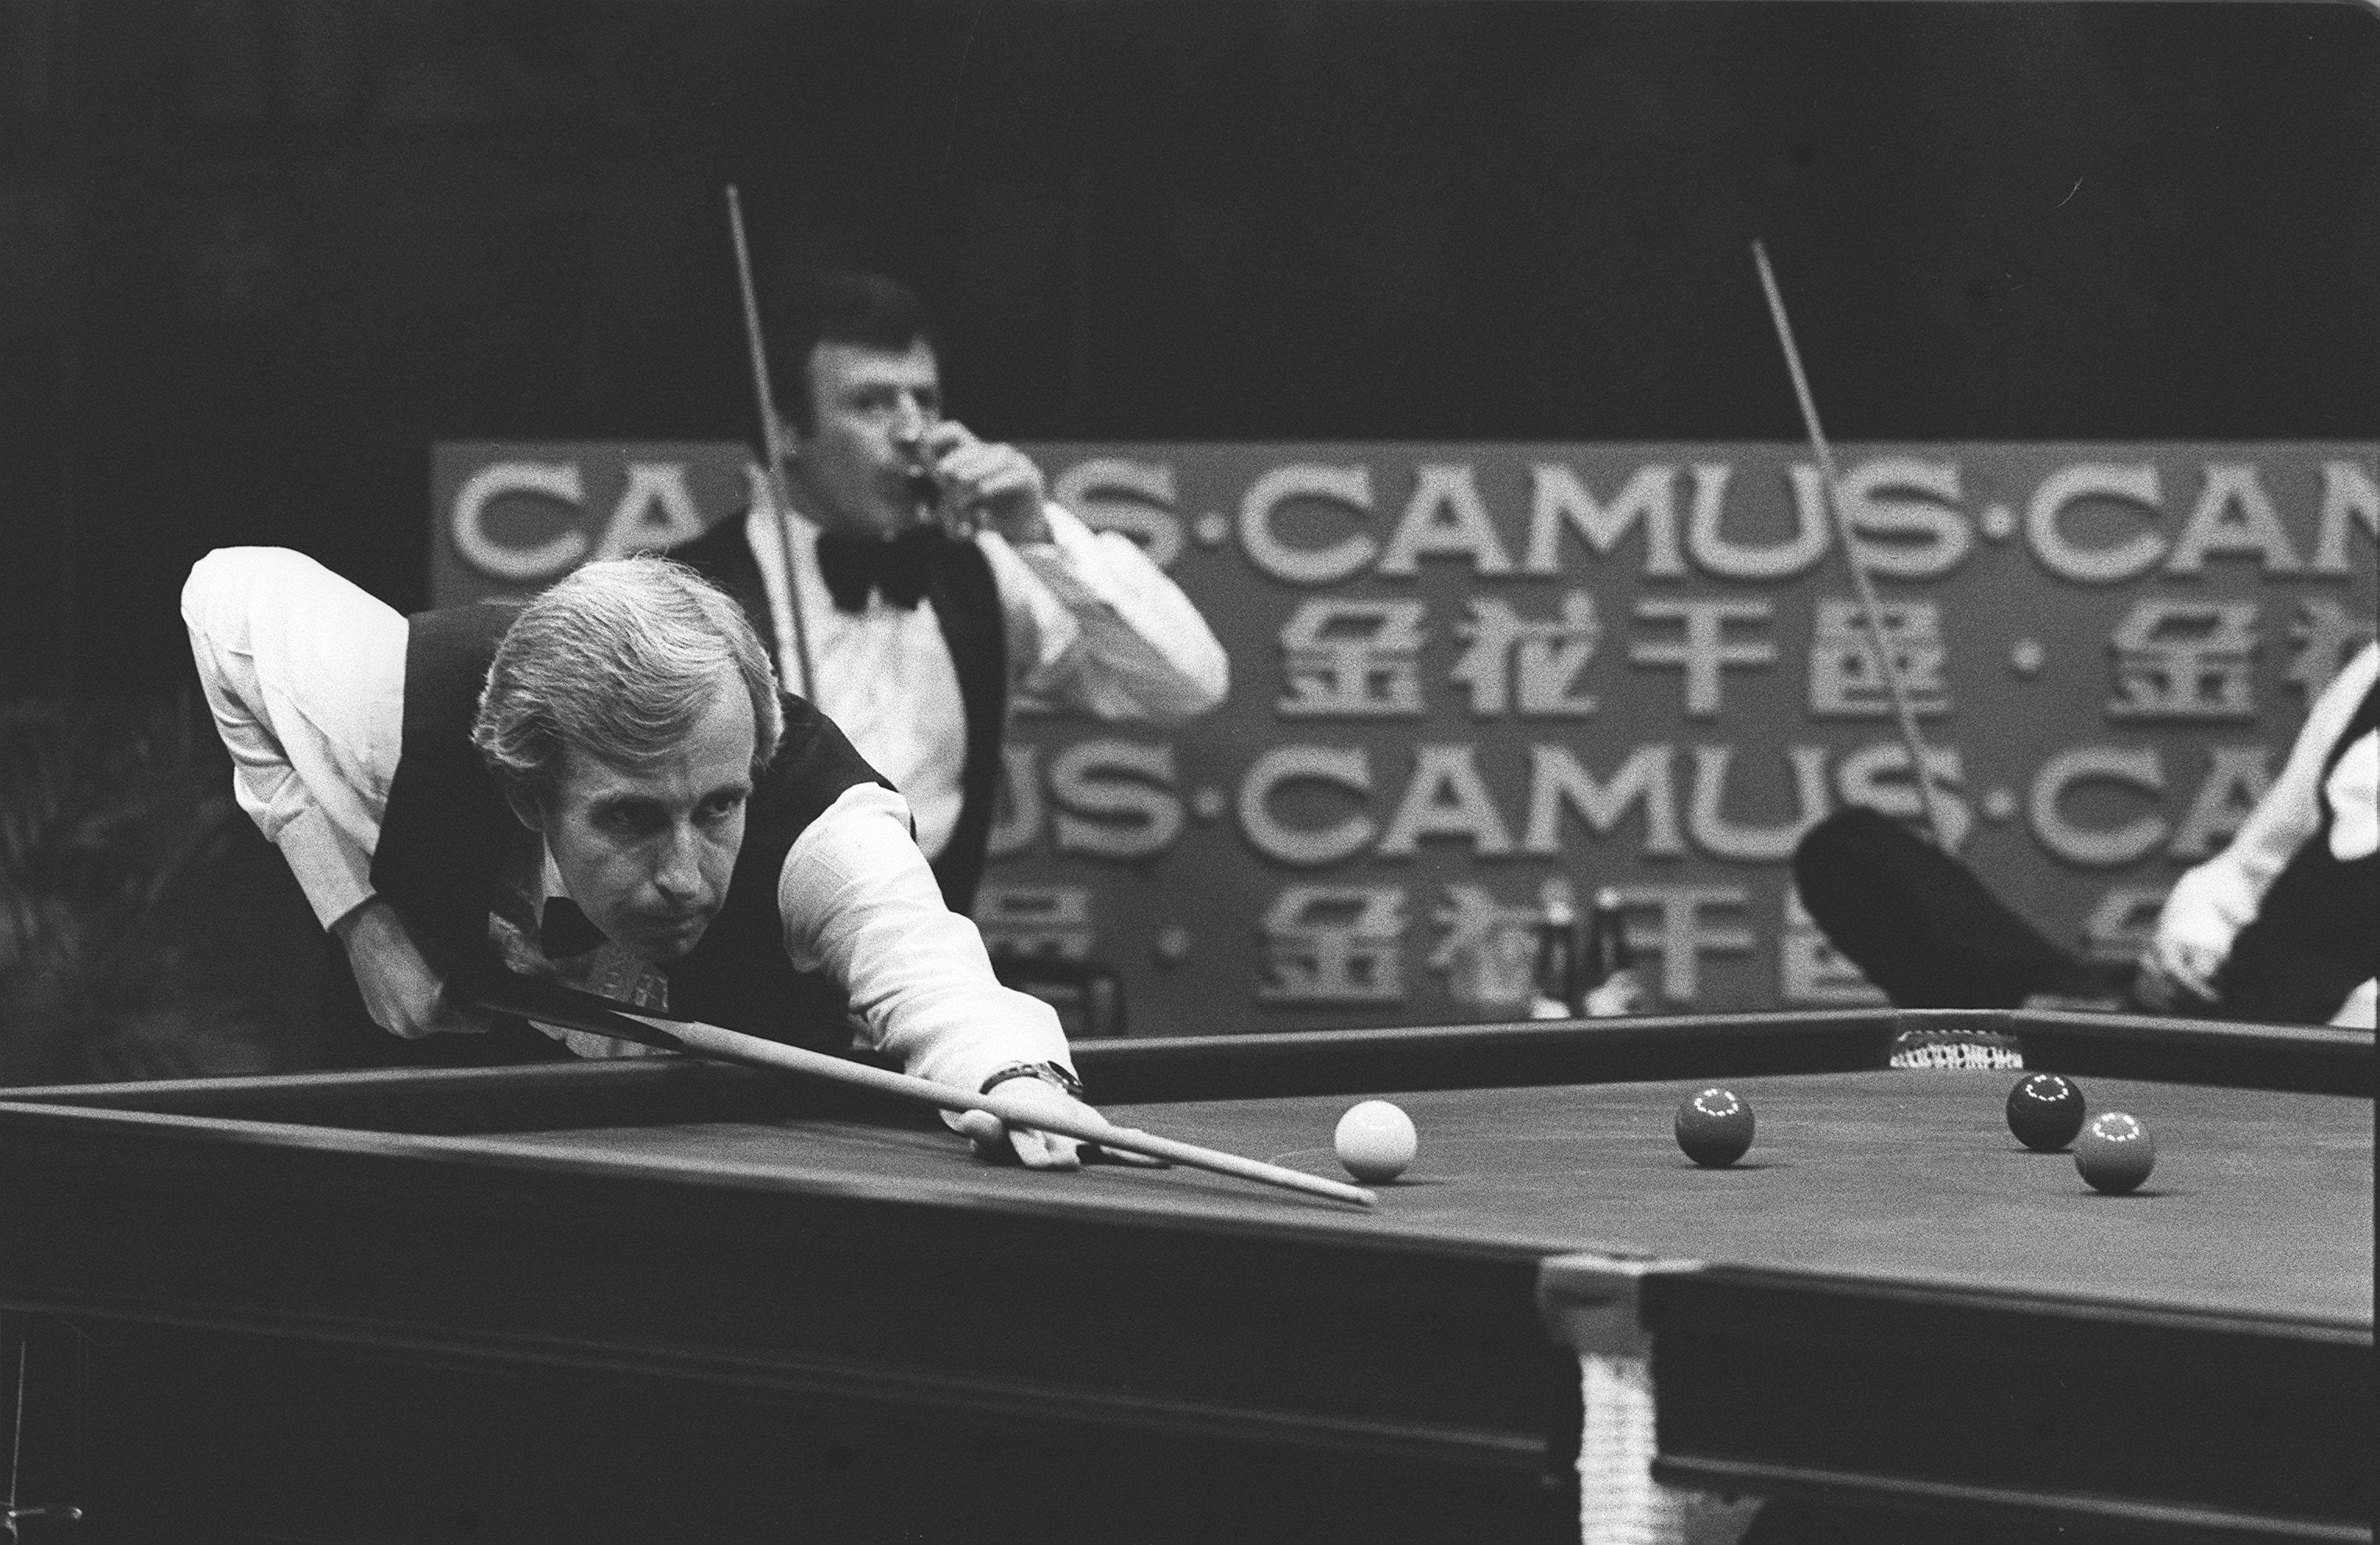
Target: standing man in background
923,582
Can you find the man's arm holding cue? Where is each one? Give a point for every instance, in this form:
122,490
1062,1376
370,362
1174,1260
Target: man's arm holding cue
859,901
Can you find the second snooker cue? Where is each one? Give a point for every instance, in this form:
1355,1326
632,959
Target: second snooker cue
1833,478
578,1011
772,447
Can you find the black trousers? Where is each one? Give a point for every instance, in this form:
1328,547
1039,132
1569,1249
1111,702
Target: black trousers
1924,928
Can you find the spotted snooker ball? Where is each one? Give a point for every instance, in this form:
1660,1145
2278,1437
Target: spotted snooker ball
2044,1111
2115,1153
1374,1141
1715,1127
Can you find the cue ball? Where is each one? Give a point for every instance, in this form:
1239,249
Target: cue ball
1715,1127
2115,1153
1374,1141
2044,1111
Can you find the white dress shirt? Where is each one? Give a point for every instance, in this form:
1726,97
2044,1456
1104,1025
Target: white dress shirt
1092,625
2212,902
305,673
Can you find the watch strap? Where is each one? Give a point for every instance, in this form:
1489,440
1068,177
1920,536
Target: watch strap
1047,1072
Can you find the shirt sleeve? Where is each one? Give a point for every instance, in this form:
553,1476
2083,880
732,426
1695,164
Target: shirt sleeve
305,676
1094,624
858,901
2212,902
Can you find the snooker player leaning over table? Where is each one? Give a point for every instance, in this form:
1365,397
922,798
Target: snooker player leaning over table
603,787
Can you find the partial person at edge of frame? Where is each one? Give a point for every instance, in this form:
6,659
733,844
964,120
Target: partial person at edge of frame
602,787
2278,928
934,582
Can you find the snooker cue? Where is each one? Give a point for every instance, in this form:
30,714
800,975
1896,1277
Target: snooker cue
574,1010
771,437
1832,477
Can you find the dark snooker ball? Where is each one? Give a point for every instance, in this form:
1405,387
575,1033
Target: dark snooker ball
1715,1128
2044,1111
2115,1153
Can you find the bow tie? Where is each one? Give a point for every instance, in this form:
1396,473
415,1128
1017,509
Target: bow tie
564,931
853,566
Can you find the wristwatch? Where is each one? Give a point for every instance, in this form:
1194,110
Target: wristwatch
1047,1072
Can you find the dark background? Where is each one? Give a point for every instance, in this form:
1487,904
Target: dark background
257,255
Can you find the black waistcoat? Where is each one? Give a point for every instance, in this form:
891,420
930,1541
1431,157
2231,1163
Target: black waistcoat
2315,939
966,603
447,829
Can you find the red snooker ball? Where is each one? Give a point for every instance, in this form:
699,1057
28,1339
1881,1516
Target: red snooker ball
1715,1128
2115,1153
2044,1111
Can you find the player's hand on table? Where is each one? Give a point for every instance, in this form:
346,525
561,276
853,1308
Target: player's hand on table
2175,967
403,995
1044,1151
982,483
2193,938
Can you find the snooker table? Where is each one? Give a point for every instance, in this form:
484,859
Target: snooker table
662,1299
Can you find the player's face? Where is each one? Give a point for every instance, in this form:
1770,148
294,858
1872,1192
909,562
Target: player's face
853,466
646,852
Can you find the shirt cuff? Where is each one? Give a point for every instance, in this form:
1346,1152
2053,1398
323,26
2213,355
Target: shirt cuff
968,1069
1071,563
336,875
1040,589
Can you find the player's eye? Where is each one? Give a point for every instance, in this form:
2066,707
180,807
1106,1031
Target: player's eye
719,807
629,819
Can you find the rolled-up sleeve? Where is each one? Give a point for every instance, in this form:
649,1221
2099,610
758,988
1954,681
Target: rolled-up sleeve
305,676
858,901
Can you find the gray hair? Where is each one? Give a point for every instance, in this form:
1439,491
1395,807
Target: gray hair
614,661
